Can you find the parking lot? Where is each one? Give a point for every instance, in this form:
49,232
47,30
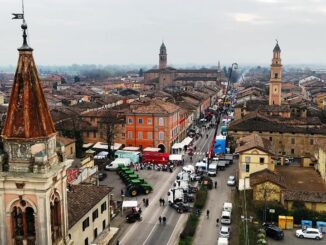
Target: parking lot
290,239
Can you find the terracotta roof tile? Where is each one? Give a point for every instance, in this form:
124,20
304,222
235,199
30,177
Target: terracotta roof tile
82,199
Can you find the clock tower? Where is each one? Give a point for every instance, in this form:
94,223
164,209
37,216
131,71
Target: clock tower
163,56
275,83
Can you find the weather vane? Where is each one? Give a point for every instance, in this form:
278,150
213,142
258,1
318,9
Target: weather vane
21,15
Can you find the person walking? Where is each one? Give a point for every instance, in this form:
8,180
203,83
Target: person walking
160,219
121,192
207,213
164,220
147,202
215,184
160,201
163,201
217,221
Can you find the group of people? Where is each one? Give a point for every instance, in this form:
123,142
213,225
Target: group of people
145,202
162,202
162,219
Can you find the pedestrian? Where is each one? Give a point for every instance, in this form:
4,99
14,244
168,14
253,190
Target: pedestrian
163,201
160,201
146,202
164,220
215,184
160,219
217,221
121,192
207,213
139,210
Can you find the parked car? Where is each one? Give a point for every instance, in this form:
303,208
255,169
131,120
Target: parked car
133,217
224,231
273,231
180,207
231,180
101,176
311,233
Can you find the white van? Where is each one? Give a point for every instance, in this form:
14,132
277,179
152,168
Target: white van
226,218
222,241
227,206
119,161
212,169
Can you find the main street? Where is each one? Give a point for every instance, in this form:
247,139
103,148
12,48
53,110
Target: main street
149,231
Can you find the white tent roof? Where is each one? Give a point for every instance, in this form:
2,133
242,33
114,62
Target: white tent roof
88,145
152,149
186,141
129,204
100,146
175,157
131,148
101,155
177,146
116,146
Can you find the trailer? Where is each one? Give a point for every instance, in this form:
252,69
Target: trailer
183,184
155,157
134,156
175,195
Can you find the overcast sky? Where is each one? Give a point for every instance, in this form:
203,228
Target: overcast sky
64,32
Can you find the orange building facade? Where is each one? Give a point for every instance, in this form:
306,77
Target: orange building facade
153,124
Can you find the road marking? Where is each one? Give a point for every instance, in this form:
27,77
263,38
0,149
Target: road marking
175,228
162,214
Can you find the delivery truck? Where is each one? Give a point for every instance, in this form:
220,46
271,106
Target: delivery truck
220,144
155,157
134,156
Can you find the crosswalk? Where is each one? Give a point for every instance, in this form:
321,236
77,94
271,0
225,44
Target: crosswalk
199,153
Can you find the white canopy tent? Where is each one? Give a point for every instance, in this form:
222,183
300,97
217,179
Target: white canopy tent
175,157
177,146
128,204
101,155
152,149
186,141
131,148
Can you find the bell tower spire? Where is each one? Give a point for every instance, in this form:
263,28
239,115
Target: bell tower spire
163,57
275,82
33,178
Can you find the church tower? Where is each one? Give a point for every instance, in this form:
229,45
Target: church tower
33,196
163,57
275,83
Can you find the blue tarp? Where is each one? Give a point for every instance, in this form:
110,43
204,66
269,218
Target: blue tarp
306,224
321,225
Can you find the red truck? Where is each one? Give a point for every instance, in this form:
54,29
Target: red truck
155,157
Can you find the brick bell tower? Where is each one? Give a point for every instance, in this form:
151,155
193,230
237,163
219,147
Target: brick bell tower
33,197
163,57
275,83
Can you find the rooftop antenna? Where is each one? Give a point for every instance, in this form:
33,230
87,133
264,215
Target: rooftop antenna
21,16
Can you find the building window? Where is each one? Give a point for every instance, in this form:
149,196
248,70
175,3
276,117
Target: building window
103,224
103,207
161,136
149,135
123,134
95,233
247,168
130,121
140,120
261,160
94,134
149,121
161,121
292,151
247,159
140,135
129,135
292,141
276,75
95,214
86,241
85,223
311,141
